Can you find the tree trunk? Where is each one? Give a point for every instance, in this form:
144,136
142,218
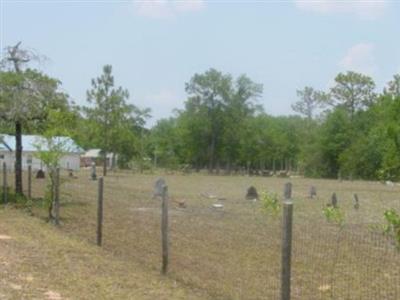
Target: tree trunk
113,161
211,157
105,164
18,158
274,166
50,212
52,192
212,151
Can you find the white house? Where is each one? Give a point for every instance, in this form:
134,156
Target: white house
95,155
70,160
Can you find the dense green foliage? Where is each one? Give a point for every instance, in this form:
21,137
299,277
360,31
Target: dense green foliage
112,124
348,131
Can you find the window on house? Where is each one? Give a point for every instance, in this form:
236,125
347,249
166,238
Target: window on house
1,156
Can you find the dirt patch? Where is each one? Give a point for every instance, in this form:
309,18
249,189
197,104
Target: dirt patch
51,295
157,211
5,237
15,286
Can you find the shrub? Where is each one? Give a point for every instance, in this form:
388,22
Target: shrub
333,215
270,203
393,225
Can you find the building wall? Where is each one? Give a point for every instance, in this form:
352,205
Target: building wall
68,161
8,158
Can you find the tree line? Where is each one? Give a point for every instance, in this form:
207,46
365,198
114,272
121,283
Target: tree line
350,130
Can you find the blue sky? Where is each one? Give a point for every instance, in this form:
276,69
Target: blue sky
156,46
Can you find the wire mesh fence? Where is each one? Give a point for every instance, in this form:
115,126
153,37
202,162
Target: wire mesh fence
234,252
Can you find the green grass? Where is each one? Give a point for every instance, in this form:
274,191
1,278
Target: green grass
234,252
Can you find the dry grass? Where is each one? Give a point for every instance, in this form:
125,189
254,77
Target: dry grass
37,262
234,253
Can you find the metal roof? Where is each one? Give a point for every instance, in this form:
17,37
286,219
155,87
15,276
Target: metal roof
7,142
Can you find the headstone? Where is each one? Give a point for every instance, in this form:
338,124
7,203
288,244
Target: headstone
287,191
159,187
40,174
334,200
356,202
251,193
313,192
70,173
93,171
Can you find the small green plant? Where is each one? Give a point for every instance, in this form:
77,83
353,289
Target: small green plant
270,203
393,225
333,215
50,150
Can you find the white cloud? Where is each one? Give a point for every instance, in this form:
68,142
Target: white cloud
165,9
365,9
360,58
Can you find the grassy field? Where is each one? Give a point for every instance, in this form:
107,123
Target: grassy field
234,252
38,262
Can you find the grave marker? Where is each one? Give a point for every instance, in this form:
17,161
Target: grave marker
252,193
93,171
356,202
159,187
313,192
334,200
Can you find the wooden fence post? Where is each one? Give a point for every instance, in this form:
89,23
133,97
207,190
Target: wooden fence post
57,197
164,230
29,182
5,189
286,242
99,231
